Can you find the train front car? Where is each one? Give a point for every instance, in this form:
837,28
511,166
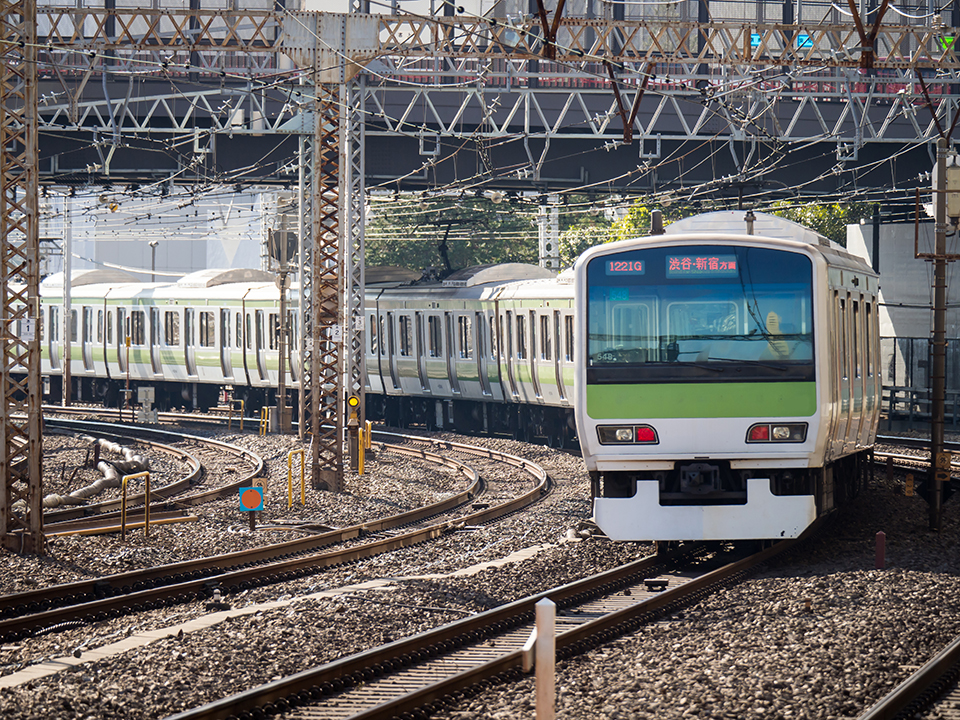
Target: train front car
707,388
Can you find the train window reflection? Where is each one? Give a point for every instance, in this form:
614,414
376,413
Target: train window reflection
759,312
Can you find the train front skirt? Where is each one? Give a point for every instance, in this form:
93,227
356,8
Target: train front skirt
764,516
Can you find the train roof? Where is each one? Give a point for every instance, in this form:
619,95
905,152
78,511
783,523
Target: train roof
764,225
500,273
98,276
212,277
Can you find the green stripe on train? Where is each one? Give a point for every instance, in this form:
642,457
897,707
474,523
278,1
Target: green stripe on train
700,400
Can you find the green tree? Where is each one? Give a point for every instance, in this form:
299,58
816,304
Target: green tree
449,233
828,219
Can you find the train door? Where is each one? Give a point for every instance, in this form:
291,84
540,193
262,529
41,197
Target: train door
260,338
421,354
856,371
843,361
871,371
123,340
190,340
392,348
86,338
534,364
226,361
558,355
453,351
507,350
482,363
53,337
155,359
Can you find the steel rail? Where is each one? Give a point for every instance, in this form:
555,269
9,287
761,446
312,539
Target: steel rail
309,686
187,585
920,690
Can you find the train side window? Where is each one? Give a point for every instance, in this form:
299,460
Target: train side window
383,344
546,347
171,328
73,326
54,320
869,337
87,324
568,338
521,338
224,328
406,335
238,335
856,339
249,333
374,340
99,326
207,329
259,325
435,343
109,327
138,328
465,336
273,330
494,345
842,345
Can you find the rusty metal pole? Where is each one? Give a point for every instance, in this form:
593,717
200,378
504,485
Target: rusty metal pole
938,375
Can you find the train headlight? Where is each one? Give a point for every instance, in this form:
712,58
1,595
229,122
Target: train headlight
782,433
627,435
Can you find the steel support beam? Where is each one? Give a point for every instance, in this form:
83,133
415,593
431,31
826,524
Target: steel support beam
21,463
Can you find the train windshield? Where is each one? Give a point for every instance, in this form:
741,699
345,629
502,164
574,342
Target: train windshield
704,313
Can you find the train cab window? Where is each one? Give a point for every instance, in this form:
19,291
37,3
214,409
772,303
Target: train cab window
545,344
374,340
434,340
568,338
521,338
208,329
465,336
138,327
171,328
73,326
406,336
856,339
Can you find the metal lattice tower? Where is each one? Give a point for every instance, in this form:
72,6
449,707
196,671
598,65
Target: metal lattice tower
21,477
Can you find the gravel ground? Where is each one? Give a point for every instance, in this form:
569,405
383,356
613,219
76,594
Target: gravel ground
756,650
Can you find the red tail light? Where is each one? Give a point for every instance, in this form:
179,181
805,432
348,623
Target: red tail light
646,434
759,433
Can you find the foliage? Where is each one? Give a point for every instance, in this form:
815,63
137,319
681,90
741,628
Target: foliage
828,219
449,233
575,240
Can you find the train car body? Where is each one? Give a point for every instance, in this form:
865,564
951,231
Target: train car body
728,383
486,350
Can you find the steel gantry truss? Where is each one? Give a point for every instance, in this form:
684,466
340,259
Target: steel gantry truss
21,520
330,78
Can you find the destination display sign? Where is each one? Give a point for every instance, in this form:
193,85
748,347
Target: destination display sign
702,266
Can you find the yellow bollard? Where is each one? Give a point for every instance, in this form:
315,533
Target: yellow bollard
264,420
303,482
368,437
123,504
361,444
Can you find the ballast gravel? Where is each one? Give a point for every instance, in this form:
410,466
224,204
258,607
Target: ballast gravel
821,634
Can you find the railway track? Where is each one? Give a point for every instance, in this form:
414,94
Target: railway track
418,674
115,595
933,689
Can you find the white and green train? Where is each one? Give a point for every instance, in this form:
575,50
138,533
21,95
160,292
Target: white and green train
728,385
722,379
